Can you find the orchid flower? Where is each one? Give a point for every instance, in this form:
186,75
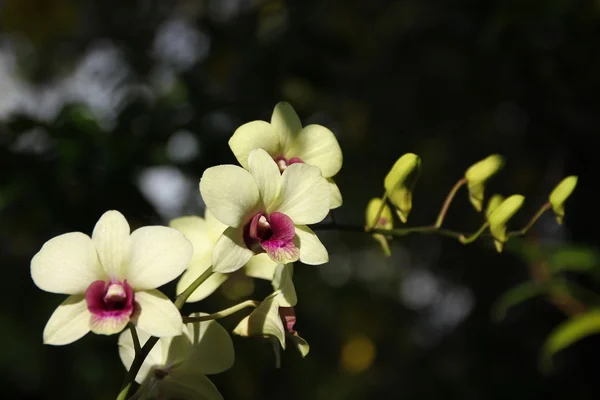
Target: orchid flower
288,143
266,211
111,279
275,317
177,367
203,233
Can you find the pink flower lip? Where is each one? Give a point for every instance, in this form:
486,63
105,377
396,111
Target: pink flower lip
283,162
288,317
273,234
110,299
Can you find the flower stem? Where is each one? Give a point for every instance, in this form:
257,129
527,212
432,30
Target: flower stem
141,356
449,198
136,340
223,313
545,207
470,239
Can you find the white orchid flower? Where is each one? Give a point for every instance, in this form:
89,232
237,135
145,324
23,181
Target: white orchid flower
176,367
266,211
287,142
203,233
111,279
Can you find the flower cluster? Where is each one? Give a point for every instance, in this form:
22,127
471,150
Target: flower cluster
256,220
256,223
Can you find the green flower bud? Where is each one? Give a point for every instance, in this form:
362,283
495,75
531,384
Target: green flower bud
385,221
264,321
500,217
493,204
560,194
400,181
477,176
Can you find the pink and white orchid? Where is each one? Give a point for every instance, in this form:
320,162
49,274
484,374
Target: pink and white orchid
203,233
266,211
288,143
111,279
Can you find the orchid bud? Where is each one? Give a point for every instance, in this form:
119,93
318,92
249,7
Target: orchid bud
385,221
500,217
560,194
493,204
477,176
400,181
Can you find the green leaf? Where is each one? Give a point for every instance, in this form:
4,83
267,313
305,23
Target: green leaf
517,295
568,333
573,258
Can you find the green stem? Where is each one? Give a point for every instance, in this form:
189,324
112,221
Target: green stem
223,313
136,340
141,356
381,207
446,205
545,207
469,239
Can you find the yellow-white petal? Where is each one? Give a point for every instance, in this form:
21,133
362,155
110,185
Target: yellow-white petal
215,227
254,135
264,321
230,193
266,174
158,255
260,266
230,252
195,269
156,358
66,264
336,195
212,348
283,282
286,123
158,315
111,238
312,251
195,229
317,145
305,194
69,322
186,384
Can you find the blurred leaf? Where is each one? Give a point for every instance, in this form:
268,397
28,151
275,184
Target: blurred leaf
568,333
573,258
519,294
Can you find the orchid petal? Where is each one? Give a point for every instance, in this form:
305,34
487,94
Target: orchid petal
67,264
158,255
260,266
312,251
157,315
317,145
69,322
230,193
266,174
212,348
254,135
336,195
305,194
286,124
230,252
111,238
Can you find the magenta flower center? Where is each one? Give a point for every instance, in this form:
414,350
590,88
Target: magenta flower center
110,299
276,229
283,162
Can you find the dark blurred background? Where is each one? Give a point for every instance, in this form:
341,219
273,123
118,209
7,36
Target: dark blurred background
122,105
